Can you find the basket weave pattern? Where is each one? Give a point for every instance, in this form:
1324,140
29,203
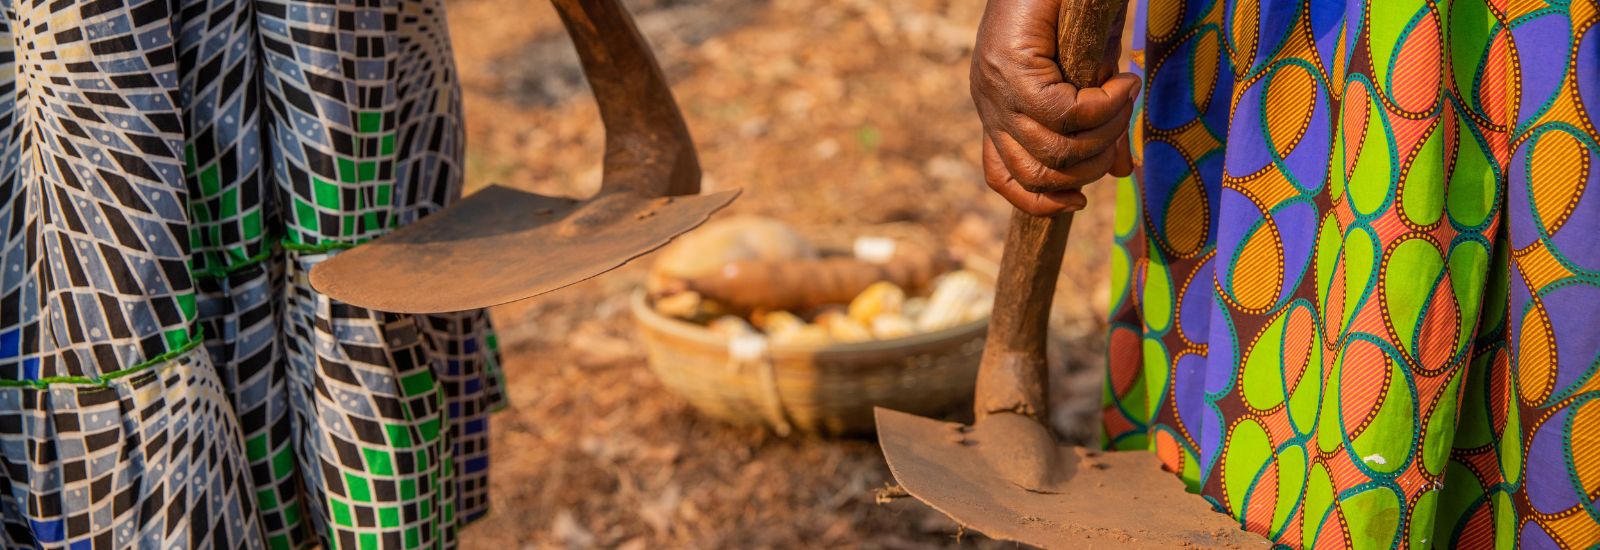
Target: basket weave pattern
828,390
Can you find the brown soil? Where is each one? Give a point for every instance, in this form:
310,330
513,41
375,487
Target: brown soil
835,115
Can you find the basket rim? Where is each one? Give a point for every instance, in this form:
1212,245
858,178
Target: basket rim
695,333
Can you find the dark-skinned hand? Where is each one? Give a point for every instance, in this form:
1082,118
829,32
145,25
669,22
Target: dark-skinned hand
1044,139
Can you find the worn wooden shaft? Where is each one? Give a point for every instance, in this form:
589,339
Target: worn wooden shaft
1013,376
648,147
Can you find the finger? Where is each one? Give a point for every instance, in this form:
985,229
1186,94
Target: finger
1067,109
1034,176
1092,168
1104,135
1059,151
1045,204
1038,204
1098,106
1124,163
1027,170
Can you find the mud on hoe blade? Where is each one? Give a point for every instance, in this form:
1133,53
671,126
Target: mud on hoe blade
1006,476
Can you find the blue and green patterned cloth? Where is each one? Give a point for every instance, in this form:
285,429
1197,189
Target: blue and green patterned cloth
170,170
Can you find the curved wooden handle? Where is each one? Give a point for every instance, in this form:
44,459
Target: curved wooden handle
1013,376
648,148
1083,33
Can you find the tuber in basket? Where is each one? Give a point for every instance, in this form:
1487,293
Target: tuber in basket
826,390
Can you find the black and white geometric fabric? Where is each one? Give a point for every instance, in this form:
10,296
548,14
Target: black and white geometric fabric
170,170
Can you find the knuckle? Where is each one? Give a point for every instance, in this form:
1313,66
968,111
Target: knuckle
1017,119
1085,152
1099,167
1071,152
992,62
1038,175
1052,150
1072,116
996,183
1031,186
1042,186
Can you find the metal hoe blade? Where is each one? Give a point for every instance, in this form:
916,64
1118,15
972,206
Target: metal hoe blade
1111,500
476,253
500,245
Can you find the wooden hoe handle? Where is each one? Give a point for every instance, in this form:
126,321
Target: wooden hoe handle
648,148
1013,374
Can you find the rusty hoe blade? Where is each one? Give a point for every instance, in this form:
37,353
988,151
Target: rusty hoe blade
1006,476
1107,500
501,245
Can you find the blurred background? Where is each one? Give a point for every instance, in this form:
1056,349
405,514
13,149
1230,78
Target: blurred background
837,116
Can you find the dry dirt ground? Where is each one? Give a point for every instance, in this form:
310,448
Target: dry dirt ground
835,115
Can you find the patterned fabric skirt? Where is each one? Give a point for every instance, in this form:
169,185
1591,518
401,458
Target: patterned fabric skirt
1356,280
170,170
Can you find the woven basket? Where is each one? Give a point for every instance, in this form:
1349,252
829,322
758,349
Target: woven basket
827,390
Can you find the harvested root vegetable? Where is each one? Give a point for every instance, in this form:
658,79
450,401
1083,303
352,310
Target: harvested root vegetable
882,297
888,326
756,277
797,285
683,305
841,327
914,307
729,326
777,322
805,335
718,243
690,306
953,296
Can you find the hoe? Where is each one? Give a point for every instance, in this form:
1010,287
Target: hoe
1006,476
501,245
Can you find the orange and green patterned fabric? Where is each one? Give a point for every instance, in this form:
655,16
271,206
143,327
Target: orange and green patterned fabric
1356,288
